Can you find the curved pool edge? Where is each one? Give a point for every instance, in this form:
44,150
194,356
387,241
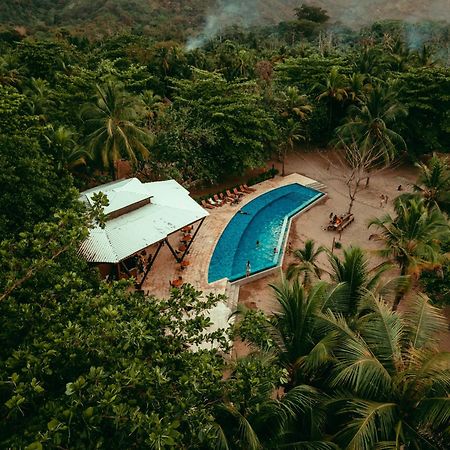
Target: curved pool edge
241,279
267,271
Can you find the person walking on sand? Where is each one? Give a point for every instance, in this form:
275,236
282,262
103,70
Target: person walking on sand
381,200
386,198
248,269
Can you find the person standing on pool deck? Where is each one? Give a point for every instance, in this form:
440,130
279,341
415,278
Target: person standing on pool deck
248,269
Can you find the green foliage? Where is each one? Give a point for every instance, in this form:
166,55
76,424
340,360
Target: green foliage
434,182
312,13
14,117
425,93
90,369
31,189
413,237
114,132
243,127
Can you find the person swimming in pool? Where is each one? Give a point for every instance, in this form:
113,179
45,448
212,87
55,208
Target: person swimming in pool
248,269
245,213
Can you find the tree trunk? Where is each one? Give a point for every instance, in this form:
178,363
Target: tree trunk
400,292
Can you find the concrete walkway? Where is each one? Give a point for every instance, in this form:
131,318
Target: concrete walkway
166,268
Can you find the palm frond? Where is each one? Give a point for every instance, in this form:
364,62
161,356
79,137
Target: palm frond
372,422
424,322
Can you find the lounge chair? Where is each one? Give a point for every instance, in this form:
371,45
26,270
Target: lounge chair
218,200
242,188
238,193
207,205
212,202
225,199
249,188
232,196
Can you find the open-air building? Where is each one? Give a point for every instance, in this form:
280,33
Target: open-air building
142,218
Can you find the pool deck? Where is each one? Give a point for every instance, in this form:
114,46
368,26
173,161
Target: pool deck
165,267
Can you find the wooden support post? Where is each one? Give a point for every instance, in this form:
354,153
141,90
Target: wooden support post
149,266
192,240
171,249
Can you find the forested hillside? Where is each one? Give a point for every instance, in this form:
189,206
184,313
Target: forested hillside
181,17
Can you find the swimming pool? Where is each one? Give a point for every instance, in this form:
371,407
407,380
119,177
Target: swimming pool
257,233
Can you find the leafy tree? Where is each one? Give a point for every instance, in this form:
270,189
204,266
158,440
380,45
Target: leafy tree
42,59
427,124
31,188
90,369
312,13
14,116
244,128
114,133
306,263
412,238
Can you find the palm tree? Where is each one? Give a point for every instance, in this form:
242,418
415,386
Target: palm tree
334,90
112,118
291,132
392,381
38,93
356,87
306,263
259,421
370,124
153,106
412,238
353,273
294,104
297,341
434,182
66,151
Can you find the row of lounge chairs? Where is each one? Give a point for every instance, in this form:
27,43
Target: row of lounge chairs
232,198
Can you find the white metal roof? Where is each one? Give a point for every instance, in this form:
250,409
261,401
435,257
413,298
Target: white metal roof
171,208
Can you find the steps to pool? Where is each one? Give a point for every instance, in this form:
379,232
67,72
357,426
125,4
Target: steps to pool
256,233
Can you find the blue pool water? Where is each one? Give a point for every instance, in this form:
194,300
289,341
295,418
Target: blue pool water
266,221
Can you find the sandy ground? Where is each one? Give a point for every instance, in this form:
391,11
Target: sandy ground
310,225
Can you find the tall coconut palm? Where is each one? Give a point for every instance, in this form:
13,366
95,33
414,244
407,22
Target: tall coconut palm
298,344
66,151
412,238
38,93
334,91
306,263
293,104
112,118
370,124
292,132
434,182
392,381
356,87
153,106
353,273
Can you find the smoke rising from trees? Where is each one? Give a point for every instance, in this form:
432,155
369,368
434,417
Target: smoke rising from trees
351,13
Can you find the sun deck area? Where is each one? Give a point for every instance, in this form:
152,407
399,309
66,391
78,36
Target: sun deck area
198,259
